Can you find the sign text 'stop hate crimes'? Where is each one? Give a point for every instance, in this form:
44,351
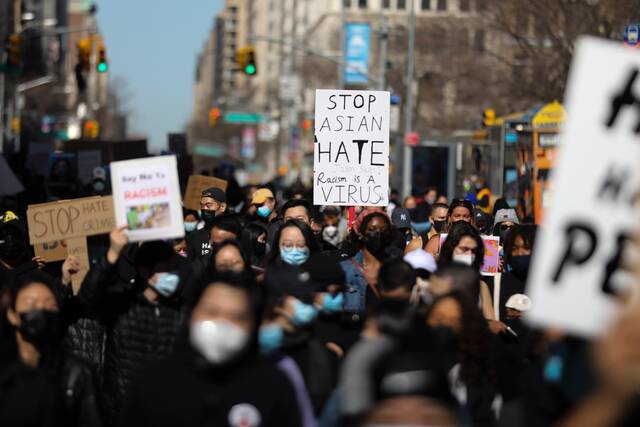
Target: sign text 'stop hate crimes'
351,152
90,216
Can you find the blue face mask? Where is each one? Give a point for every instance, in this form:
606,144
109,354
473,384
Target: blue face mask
294,256
190,226
264,211
167,284
270,337
421,227
303,314
332,303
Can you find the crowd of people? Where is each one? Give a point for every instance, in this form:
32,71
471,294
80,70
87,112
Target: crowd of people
276,312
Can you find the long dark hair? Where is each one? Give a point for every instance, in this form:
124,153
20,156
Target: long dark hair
310,241
528,234
248,239
459,230
473,349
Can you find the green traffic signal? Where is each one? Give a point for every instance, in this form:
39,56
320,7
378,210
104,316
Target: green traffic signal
250,69
103,67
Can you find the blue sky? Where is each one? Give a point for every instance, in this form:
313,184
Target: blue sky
153,46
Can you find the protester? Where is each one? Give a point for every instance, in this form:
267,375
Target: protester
291,305
41,383
362,270
265,203
464,245
136,291
473,369
217,378
213,203
459,210
505,220
396,279
294,244
223,228
254,243
14,252
483,195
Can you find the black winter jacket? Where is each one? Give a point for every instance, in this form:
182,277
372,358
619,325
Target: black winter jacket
138,331
185,391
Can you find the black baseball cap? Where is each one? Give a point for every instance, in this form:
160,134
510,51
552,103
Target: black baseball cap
216,194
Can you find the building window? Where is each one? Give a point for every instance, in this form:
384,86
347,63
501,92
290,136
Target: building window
478,40
362,4
386,4
481,5
346,4
465,5
442,4
402,4
426,4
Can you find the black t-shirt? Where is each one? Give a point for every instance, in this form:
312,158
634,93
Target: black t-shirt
198,244
509,285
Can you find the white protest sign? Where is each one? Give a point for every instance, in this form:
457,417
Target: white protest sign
146,197
575,272
351,151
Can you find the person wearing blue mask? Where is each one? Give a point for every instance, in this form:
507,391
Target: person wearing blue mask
291,316
136,291
265,202
293,244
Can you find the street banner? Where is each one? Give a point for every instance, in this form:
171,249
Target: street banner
146,197
196,185
351,148
78,247
55,221
576,271
357,39
491,262
52,251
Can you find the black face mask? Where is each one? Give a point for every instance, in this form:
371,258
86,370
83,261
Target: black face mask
377,242
207,216
439,226
40,327
12,245
259,248
520,266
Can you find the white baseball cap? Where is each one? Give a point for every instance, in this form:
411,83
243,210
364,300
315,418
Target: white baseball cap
519,302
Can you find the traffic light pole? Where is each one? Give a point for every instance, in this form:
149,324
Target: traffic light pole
408,114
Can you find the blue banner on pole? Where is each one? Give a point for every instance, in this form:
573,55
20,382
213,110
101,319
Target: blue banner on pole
356,53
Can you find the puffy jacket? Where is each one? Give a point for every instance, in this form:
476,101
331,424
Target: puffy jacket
138,331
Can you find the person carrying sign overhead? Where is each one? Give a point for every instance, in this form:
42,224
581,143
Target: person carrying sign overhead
213,202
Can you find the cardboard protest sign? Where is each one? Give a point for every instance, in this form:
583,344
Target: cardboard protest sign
66,219
491,263
575,274
196,185
146,197
351,149
52,251
78,248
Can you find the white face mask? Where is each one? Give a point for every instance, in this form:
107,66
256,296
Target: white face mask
466,259
217,340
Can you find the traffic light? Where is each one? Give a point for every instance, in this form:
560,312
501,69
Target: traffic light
84,54
306,126
91,129
14,51
246,60
102,65
251,68
488,117
214,115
